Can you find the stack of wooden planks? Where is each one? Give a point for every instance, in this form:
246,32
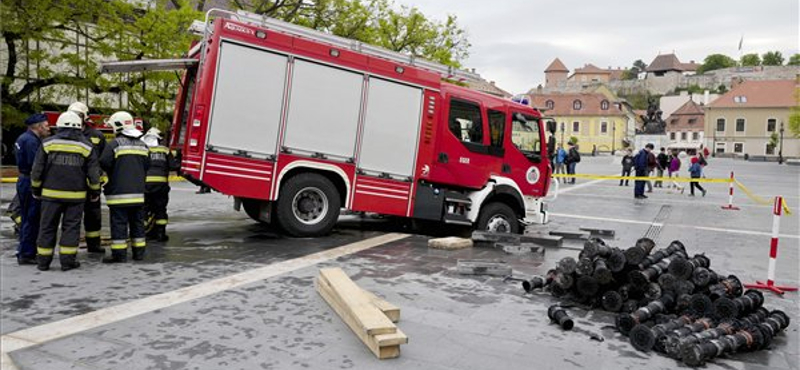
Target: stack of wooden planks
368,316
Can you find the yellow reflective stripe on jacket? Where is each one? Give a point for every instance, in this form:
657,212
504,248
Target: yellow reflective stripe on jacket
18,219
36,184
159,149
124,199
157,179
95,140
131,152
93,234
162,221
44,251
67,250
67,148
93,186
63,194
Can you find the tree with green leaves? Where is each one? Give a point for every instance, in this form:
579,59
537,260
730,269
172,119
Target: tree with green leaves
794,60
633,73
794,122
772,58
751,60
716,61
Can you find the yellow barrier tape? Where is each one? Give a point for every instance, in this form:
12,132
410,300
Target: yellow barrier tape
103,179
644,178
761,200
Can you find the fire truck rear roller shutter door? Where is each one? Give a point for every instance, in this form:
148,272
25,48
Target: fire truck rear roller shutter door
324,105
389,141
248,99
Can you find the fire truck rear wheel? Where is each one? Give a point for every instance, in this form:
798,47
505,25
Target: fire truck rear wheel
308,205
498,217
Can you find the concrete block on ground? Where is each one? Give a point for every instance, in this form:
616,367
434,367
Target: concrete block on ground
489,239
543,239
492,267
522,249
450,243
599,232
570,234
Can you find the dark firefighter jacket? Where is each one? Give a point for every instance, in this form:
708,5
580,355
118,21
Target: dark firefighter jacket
161,162
66,168
97,139
125,160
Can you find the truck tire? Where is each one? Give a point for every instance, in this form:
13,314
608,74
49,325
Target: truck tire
252,207
498,217
308,205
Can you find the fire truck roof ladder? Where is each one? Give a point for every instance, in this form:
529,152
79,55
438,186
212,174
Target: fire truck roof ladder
445,71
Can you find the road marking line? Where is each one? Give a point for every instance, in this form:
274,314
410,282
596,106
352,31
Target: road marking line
706,228
575,187
76,324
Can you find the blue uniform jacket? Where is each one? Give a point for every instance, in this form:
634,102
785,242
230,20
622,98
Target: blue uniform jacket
27,146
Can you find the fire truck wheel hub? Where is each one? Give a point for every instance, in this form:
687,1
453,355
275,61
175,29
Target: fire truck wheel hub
498,224
310,205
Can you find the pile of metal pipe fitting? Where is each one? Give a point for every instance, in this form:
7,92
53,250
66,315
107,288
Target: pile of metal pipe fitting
664,300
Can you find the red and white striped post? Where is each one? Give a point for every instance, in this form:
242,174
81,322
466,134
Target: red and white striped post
730,205
777,210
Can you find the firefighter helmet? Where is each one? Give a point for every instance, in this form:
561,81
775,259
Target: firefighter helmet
80,108
122,122
152,137
69,119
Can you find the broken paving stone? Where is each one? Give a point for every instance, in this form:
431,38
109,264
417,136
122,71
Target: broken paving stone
522,249
450,243
493,267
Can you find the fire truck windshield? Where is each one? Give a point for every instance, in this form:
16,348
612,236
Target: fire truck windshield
525,134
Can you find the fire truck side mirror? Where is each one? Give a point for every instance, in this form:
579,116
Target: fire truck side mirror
551,126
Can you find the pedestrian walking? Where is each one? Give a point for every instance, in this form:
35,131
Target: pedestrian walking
27,146
662,164
652,163
125,160
64,172
156,196
674,172
696,172
642,166
92,214
560,158
572,160
627,166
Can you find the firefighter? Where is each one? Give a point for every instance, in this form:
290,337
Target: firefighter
64,172
91,210
156,196
26,147
125,160
14,212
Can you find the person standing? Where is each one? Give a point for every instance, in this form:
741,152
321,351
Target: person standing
64,172
26,146
156,196
696,172
674,172
652,163
627,166
92,214
642,166
125,160
662,164
560,157
573,158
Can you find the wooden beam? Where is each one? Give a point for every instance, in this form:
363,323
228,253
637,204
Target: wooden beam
371,320
391,311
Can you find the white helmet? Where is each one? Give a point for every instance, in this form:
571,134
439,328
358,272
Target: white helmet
122,122
79,108
152,137
69,119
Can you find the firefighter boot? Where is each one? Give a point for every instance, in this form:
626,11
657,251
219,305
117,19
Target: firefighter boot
117,256
162,233
93,246
69,262
43,262
138,253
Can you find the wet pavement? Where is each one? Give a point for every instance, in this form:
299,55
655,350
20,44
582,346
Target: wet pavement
453,321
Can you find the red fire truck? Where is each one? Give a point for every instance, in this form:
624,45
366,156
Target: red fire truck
297,124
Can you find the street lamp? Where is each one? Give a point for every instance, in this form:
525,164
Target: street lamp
780,151
613,137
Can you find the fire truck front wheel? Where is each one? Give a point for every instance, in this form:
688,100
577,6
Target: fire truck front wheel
498,217
308,205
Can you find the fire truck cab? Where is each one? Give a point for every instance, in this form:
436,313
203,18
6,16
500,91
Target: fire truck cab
296,125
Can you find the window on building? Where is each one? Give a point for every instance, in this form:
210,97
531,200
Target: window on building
576,127
604,105
738,147
740,99
720,148
771,124
673,121
577,105
672,136
769,150
740,124
550,104
497,126
720,124
695,136
465,121
683,136
692,121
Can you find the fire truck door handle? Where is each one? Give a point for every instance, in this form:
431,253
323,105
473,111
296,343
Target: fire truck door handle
506,168
443,157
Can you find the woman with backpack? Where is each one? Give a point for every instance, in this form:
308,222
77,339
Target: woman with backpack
696,172
573,158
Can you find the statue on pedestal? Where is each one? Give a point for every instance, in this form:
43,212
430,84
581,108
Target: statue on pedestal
653,123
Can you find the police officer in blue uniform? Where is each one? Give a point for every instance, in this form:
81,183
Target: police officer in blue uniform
27,146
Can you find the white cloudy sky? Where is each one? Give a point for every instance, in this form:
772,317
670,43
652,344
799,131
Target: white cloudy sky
513,41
